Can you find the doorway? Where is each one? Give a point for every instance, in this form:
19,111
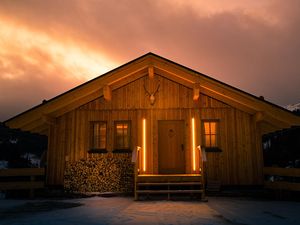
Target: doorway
171,149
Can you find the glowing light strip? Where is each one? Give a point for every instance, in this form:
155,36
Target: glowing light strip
193,144
144,145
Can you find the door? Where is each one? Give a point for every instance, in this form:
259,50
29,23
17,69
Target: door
171,154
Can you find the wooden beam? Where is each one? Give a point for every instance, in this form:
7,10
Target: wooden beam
79,102
127,80
41,129
176,72
225,99
107,93
282,185
196,91
32,124
48,119
280,122
177,79
278,171
151,72
259,116
22,172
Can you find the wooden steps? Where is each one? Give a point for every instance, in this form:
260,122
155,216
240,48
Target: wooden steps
169,185
169,191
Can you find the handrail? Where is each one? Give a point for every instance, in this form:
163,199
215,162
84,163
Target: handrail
202,159
136,161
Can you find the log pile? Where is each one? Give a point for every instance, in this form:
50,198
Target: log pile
104,173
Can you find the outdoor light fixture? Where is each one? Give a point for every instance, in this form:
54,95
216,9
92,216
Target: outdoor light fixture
144,145
193,144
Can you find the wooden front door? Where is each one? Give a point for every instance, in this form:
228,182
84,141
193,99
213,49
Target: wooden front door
171,154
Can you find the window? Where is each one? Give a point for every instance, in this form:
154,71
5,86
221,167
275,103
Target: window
210,135
98,135
122,135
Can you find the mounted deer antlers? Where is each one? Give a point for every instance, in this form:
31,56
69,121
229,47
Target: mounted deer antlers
152,95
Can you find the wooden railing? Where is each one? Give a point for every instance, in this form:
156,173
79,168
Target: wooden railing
282,178
22,178
202,161
136,161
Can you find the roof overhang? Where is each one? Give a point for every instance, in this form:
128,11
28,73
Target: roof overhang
38,118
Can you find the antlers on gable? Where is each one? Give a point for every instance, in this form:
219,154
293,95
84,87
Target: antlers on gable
152,95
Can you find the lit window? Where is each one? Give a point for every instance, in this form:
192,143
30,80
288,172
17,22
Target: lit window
98,137
210,134
122,135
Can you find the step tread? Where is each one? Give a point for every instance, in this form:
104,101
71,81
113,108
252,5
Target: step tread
167,191
168,183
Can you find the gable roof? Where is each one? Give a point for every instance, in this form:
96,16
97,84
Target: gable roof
37,118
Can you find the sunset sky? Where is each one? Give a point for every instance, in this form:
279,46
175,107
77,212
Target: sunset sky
48,47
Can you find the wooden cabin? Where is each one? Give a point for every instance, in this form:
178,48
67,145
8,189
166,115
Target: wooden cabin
171,118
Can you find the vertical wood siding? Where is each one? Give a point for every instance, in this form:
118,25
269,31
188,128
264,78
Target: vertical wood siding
239,163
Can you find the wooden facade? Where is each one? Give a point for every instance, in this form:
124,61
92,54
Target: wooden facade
160,99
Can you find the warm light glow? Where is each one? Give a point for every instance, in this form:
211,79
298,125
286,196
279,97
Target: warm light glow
40,48
193,144
144,145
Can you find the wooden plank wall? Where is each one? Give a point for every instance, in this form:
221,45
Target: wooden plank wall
239,163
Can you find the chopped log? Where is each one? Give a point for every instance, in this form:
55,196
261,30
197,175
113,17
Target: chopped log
100,174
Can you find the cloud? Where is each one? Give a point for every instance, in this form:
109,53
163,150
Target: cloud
25,84
253,45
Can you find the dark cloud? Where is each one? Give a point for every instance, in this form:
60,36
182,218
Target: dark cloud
257,51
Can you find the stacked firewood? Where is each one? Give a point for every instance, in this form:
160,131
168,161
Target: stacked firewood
104,173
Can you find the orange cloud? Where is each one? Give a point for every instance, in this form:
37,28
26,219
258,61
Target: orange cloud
81,63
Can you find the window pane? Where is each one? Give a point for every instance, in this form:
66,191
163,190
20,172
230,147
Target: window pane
210,134
213,141
122,135
99,135
213,128
119,141
207,140
206,128
103,130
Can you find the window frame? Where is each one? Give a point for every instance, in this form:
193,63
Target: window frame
92,147
121,149
210,148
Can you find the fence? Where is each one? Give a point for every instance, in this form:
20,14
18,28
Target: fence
282,178
22,178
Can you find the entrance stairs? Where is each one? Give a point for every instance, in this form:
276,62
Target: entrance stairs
169,186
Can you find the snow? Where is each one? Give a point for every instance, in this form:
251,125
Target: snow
293,107
3,164
121,210
34,160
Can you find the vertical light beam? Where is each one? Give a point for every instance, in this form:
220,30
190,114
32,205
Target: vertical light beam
193,144
144,145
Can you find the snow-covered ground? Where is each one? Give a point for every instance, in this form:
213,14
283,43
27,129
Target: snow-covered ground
121,210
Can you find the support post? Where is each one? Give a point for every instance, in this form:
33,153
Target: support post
107,93
196,91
